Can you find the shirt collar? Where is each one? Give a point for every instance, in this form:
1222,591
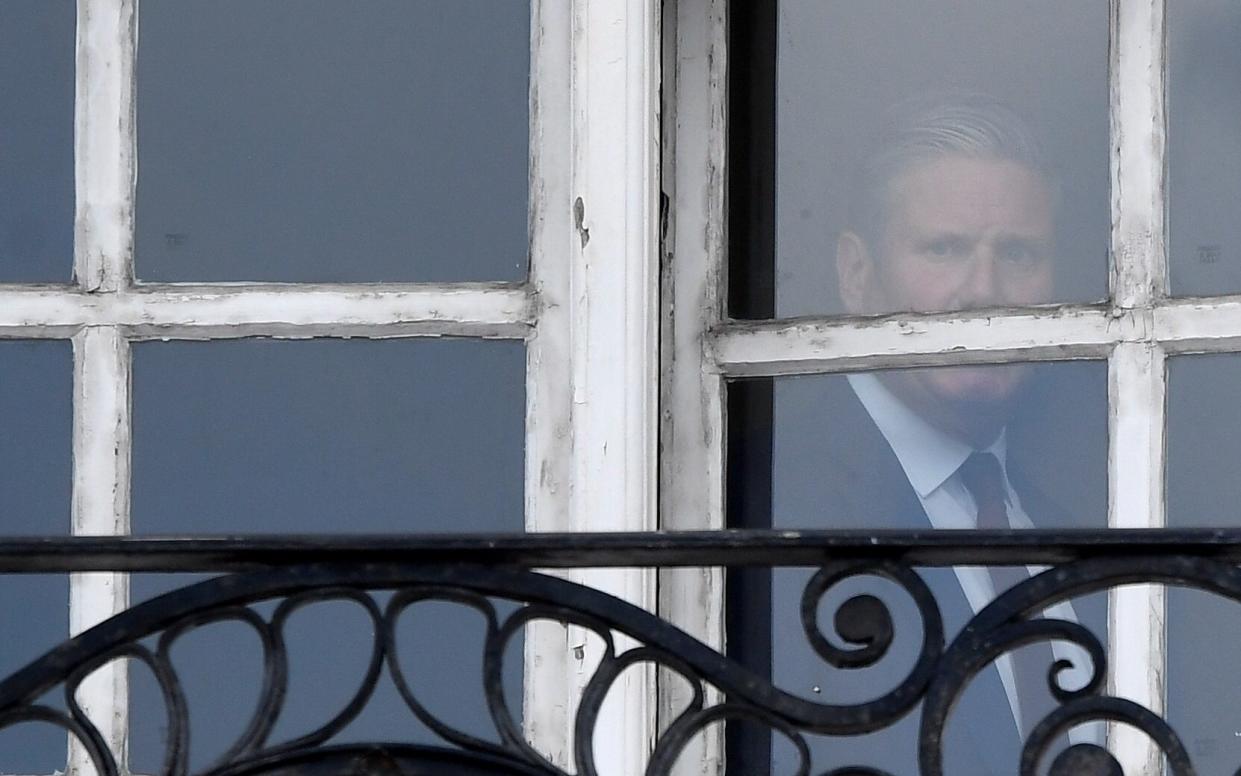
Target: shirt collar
928,456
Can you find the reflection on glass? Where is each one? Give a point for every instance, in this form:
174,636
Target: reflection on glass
325,436
1204,448
1204,146
314,140
36,140
940,157
1012,446
35,414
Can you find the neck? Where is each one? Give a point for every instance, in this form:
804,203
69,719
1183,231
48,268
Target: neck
978,430
976,423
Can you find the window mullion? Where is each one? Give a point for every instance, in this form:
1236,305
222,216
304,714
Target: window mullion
101,478
1137,374
691,491
175,311
104,149
614,330
592,412
105,168
1136,634
691,488
1139,131
549,396
821,345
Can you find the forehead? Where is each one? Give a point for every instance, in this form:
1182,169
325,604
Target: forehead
970,194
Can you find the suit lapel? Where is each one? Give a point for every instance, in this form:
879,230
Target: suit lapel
846,476
983,718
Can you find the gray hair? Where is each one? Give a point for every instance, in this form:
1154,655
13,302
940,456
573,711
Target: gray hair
932,126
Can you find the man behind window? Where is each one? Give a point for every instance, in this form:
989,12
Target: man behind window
955,210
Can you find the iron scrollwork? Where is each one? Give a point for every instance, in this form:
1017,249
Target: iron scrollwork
861,635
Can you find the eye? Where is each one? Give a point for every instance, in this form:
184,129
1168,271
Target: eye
944,248
1021,252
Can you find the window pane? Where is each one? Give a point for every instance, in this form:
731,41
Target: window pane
314,140
328,435
36,140
392,436
1014,410
36,410
1204,146
894,450
940,156
1204,445
36,406
1203,491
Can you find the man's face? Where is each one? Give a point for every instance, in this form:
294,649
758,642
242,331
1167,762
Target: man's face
965,233
961,233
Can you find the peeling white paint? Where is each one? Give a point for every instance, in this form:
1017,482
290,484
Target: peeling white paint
593,358
174,311
1137,374
549,390
1139,132
817,345
105,177
100,507
1137,382
105,162
1199,326
613,298
694,248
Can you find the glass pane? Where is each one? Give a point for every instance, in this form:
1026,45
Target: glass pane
36,410
36,140
1204,443
328,435
314,140
1204,146
1204,447
355,436
1014,410
940,156
36,405
900,450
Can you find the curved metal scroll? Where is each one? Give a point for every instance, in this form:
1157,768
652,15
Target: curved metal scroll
863,623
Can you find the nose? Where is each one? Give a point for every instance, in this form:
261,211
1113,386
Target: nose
980,286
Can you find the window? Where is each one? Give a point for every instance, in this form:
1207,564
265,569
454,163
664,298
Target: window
649,197
729,335
341,174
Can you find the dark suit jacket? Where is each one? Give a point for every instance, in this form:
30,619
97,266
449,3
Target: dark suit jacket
834,469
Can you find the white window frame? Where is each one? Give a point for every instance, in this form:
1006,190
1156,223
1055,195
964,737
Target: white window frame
1135,331
594,323
588,314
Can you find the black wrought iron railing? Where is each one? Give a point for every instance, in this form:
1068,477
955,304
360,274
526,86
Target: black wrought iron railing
287,573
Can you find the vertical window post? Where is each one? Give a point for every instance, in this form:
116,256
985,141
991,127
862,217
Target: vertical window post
691,490
592,464
103,263
1137,379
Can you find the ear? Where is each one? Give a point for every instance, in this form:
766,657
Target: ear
855,273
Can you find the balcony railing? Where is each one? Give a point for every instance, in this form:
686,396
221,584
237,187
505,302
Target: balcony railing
479,571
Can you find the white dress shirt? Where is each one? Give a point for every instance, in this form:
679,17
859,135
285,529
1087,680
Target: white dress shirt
930,459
